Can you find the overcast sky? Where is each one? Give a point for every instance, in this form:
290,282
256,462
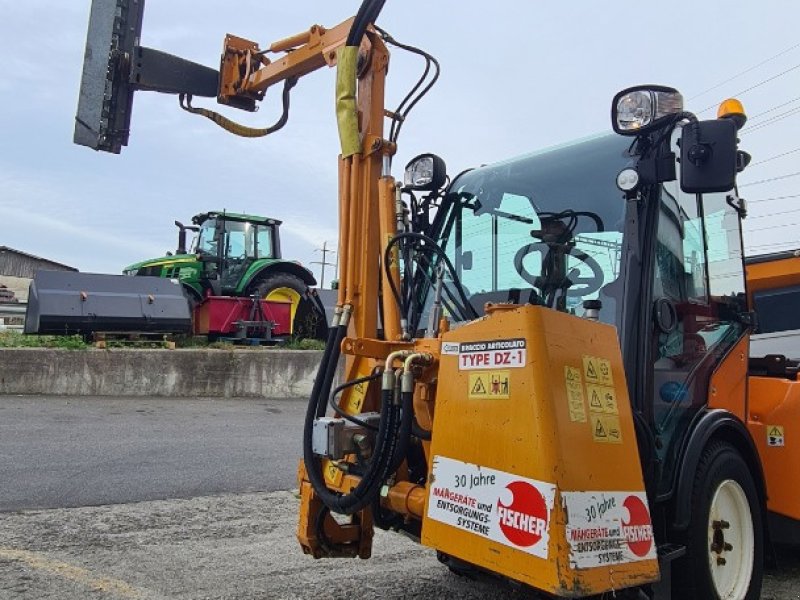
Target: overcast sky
516,76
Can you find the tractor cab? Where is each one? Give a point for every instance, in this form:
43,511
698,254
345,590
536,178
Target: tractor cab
229,244
630,230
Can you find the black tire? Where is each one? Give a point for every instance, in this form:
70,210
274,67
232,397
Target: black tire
724,480
305,318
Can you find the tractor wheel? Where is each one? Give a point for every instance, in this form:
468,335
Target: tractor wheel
725,543
285,287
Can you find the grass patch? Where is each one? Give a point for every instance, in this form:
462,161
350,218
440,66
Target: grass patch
15,339
303,344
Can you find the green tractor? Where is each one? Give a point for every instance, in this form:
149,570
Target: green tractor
238,255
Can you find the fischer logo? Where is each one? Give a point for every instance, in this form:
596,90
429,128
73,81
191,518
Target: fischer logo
638,531
524,520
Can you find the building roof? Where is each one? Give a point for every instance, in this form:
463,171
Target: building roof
37,258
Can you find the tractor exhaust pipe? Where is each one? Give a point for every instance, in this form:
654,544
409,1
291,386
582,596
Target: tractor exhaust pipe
181,238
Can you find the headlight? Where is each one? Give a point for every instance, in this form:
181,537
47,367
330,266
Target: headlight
426,172
641,109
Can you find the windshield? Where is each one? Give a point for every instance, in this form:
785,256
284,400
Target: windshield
545,228
243,240
206,244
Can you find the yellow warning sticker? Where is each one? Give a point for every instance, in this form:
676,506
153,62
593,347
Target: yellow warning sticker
606,429
602,399
355,400
575,401
490,385
775,436
597,370
333,474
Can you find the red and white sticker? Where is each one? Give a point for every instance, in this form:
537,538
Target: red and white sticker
496,505
608,528
492,354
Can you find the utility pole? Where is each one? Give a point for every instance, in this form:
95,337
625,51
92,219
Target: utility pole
323,262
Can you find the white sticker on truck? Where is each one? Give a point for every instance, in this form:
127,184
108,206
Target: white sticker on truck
492,354
608,528
500,506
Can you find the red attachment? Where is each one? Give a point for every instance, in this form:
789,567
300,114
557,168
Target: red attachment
218,315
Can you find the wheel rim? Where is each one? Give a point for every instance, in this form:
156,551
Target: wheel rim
284,294
731,541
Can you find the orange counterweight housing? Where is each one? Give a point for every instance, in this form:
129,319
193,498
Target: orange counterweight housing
774,423
534,470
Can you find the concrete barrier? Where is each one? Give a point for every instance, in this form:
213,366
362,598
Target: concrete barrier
181,373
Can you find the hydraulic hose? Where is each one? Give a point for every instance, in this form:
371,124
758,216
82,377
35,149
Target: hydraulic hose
369,486
406,422
323,365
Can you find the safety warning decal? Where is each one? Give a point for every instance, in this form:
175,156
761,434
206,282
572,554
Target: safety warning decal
597,370
602,399
575,401
506,508
775,436
608,528
493,354
606,429
490,385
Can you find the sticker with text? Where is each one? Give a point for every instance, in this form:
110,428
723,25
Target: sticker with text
506,508
493,354
608,528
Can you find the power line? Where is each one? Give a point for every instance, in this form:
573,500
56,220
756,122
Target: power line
787,176
774,214
757,200
323,262
780,226
748,70
754,86
772,121
776,107
766,160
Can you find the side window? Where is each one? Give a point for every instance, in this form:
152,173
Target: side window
725,272
264,242
475,232
513,234
235,241
698,270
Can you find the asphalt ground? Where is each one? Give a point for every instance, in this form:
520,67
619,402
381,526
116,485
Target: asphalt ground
60,452
234,546
209,543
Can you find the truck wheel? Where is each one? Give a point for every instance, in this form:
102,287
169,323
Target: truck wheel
725,543
283,287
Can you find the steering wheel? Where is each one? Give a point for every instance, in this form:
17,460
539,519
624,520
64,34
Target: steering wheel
585,285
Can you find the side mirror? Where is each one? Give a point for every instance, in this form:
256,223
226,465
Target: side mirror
709,156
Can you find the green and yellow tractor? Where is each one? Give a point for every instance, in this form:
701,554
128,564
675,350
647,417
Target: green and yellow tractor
237,255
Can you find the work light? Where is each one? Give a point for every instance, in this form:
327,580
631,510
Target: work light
425,172
640,109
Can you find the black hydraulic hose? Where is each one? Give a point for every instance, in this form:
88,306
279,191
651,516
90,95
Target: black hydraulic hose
399,452
367,13
404,431
337,410
330,370
323,366
369,486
